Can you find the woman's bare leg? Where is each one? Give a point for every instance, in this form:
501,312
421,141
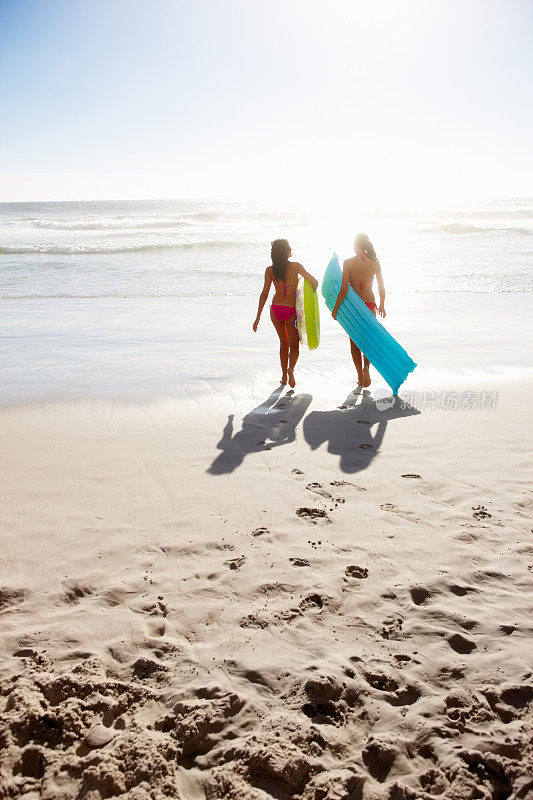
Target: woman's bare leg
356,356
366,365
366,373
281,330
294,349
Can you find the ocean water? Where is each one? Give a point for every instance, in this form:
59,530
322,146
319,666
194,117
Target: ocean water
185,248
136,301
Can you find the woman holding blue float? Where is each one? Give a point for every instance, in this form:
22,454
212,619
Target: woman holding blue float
359,273
284,274
349,296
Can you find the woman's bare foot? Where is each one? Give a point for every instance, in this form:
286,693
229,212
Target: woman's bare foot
366,377
360,379
283,380
292,382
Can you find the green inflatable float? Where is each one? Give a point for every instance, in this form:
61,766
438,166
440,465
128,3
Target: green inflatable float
307,314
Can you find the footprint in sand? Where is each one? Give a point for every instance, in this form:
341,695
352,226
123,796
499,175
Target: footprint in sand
347,483
25,652
419,595
467,536
297,472
508,629
353,571
392,627
11,597
317,488
148,668
460,591
480,512
260,531
326,701
312,514
299,562
411,475
381,682
460,644
254,621
158,609
75,591
509,700
312,601
379,755
366,446
402,659
393,693
235,563
395,510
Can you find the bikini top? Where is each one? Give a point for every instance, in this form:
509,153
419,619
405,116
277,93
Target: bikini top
289,286
286,286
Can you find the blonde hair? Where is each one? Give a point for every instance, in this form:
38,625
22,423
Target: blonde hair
363,243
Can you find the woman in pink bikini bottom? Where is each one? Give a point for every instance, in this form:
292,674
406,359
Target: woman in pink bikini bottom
283,274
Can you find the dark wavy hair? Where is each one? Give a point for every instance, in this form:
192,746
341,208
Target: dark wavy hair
279,252
362,241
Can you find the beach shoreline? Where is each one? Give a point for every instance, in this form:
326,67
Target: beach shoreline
146,349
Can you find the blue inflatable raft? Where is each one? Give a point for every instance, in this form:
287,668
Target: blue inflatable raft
381,349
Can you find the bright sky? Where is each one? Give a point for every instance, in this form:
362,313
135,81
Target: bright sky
252,99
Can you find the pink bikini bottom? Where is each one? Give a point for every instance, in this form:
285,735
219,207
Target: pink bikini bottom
283,313
372,306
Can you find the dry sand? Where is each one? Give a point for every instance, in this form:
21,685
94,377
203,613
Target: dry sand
300,602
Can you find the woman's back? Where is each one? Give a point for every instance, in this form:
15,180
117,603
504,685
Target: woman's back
285,288
362,271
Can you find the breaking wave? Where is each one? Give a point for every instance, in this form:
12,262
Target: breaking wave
522,213
162,222
119,225
90,249
461,228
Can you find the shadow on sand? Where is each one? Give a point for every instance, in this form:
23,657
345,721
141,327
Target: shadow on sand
348,429
269,425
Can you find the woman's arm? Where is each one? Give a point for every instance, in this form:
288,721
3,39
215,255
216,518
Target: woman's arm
263,296
343,291
308,277
381,287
